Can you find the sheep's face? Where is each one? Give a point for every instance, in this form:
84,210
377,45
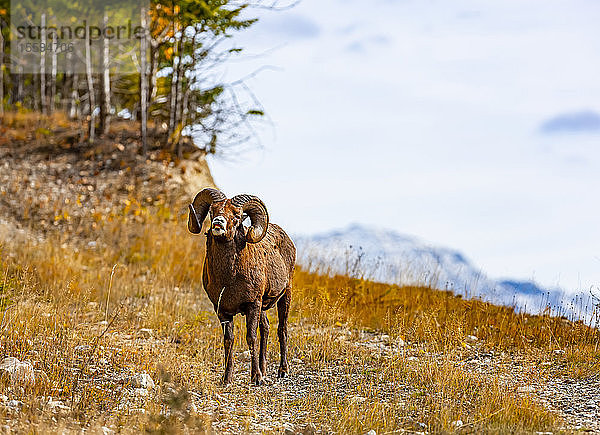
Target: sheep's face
225,220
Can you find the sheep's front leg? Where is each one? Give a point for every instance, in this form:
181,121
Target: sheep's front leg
283,309
228,338
264,338
252,321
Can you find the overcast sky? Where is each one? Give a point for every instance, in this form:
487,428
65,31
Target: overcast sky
472,125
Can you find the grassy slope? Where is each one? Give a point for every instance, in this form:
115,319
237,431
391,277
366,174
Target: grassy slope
364,355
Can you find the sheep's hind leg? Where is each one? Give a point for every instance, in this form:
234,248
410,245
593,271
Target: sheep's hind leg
264,338
228,338
252,321
283,308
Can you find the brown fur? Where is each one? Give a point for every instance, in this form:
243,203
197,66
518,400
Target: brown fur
248,279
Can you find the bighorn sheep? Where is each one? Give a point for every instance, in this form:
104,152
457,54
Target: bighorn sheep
246,271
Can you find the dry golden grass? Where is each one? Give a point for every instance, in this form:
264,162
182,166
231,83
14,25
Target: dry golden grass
363,355
55,294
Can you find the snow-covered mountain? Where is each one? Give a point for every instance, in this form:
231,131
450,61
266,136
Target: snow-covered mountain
386,256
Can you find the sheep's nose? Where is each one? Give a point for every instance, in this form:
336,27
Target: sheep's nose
219,224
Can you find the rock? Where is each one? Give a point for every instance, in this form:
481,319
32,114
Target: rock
371,432
297,361
358,399
15,404
472,338
57,406
246,355
107,431
457,423
143,392
19,373
8,362
526,389
142,380
309,429
145,333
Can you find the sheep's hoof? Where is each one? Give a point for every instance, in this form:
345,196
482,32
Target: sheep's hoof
225,381
258,381
282,373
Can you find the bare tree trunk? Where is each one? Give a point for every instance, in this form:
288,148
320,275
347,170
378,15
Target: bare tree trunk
179,102
174,78
1,72
154,52
43,65
36,92
19,85
73,112
90,85
53,74
105,107
67,92
144,83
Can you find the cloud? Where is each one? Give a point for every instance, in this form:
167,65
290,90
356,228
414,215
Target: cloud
292,25
361,45
585,121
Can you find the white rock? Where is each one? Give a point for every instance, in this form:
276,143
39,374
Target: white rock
457,423
107,431
371,432
142,380
57,405
472,338
297,361
246,355
141,392
8,362
15,404
358,399
20,373
526,389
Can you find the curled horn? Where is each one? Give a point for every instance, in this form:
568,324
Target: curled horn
257,212
199,208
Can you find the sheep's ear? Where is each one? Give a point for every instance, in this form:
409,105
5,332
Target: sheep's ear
194,224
